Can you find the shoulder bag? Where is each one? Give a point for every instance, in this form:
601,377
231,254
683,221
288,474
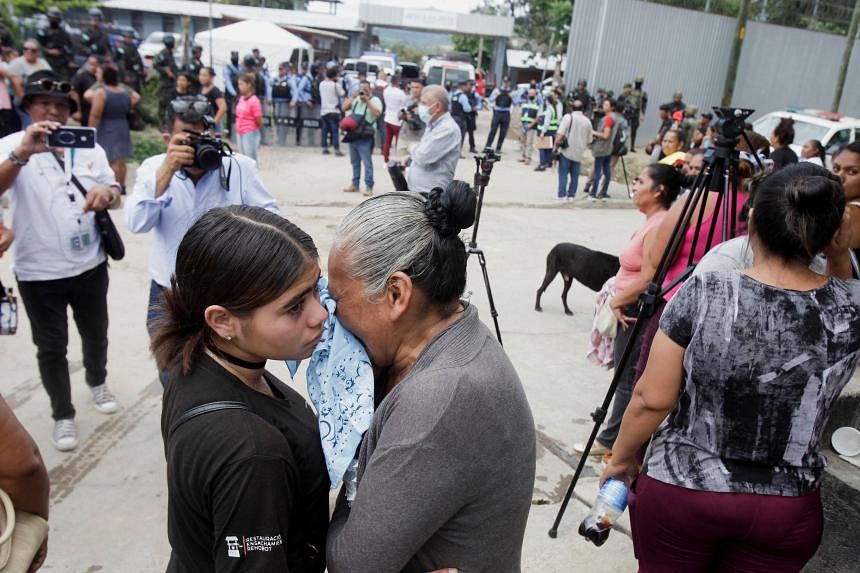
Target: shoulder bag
21,536
111,241
8,311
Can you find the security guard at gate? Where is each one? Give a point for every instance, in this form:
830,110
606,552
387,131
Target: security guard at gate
94,39
529,111
635,105
194,66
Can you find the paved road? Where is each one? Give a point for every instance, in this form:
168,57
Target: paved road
109,497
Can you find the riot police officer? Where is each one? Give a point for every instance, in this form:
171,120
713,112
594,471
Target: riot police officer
130,63
194,65
94,39
165,66
56,44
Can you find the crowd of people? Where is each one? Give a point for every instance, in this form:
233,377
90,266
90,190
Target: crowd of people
769,319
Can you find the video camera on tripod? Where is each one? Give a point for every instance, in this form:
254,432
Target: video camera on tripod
719,176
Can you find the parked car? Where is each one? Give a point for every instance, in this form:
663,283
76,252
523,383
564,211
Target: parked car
833,130
154,43
409,71
352,67
387,61
447,72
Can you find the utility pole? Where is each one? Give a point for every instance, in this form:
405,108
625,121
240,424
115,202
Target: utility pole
846,56
734,58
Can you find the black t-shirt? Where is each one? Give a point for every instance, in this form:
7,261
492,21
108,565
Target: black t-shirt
247,490
782,157
213,95
81,82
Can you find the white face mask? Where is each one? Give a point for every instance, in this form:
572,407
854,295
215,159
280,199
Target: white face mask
424,113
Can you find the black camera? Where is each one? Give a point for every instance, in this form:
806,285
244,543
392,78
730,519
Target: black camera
409,114
362,92
731,121
208,150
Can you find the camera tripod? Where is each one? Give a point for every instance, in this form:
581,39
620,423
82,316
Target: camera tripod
720,175
483,166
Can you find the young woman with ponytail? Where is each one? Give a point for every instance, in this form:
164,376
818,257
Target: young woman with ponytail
247,485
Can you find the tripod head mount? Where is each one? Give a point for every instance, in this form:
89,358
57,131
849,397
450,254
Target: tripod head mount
484,166
731,121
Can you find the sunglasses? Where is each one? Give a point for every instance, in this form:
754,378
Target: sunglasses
26,49
181,106
52,86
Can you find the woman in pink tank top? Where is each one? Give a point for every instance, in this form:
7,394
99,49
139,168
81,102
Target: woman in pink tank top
653,193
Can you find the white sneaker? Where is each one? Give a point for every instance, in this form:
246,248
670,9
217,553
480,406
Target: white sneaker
104,399
65,436
597,449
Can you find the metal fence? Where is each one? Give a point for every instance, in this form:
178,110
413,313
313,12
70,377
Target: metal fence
612,41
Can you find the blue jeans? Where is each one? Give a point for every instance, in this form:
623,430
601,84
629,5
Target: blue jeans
330,128
602,165
248,143
360,152
153,313
567,167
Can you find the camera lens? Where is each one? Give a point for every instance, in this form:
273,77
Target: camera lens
207,156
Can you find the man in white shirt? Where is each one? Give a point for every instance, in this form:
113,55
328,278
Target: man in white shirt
58,257
331,94
433,161
411,127
394,98
172,191
574,135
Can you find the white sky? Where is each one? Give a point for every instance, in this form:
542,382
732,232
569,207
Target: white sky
350,7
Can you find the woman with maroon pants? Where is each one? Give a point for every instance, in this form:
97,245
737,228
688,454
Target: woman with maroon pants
747,365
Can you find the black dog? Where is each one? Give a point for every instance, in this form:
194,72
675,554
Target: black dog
591,268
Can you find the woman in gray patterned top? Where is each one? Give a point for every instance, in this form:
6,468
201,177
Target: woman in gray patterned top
747,366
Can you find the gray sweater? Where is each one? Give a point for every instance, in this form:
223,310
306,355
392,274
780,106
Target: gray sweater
446,470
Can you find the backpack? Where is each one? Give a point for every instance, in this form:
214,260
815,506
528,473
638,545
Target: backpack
619,143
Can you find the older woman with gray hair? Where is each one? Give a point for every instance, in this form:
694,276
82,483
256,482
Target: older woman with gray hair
447,468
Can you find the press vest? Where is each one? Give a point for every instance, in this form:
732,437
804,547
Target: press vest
529,112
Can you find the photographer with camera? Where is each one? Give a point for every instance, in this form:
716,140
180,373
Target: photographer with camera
174,189
432,162
58,255
411,127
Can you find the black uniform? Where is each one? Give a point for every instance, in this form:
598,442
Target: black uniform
247,490
585,97
472,119
130,65
165,66
96,43
193,67
458,113
57,39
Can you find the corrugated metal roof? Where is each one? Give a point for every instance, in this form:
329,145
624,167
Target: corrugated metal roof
220,11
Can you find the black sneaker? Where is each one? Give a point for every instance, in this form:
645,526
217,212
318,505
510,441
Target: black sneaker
325,151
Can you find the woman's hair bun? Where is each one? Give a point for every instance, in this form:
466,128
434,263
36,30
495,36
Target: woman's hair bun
452,209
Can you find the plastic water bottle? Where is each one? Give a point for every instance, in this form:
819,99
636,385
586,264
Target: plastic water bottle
610,504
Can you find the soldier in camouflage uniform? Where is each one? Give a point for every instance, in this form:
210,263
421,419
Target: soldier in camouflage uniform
130,63
635,105
165,66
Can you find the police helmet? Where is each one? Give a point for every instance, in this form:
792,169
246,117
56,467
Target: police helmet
582,83
169,40
95,14
639,79
196,49
677,95
54,12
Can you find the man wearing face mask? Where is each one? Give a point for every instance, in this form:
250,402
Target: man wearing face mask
432,162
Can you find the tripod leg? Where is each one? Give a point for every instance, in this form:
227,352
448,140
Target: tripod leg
483,261
626,180
598,416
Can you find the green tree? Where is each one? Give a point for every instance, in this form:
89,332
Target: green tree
27,7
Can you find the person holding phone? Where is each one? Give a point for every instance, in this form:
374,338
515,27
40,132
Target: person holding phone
57,255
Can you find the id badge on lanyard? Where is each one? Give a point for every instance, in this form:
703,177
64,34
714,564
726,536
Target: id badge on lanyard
82,239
